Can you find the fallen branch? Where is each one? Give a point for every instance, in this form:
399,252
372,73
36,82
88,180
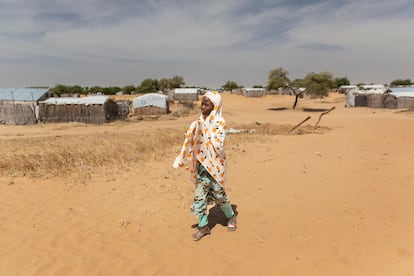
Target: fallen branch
295,127
323,113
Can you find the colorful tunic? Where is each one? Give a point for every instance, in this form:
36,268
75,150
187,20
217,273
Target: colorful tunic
204,141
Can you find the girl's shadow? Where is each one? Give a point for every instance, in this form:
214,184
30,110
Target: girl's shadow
216,216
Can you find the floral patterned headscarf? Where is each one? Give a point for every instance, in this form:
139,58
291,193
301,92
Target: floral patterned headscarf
204,142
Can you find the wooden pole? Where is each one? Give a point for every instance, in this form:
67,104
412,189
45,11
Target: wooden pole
295,127
323,113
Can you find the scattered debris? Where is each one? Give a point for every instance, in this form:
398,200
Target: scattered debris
298,125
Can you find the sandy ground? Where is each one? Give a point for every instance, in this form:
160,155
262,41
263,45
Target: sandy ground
336,203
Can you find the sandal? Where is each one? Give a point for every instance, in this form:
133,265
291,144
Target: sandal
232,223
201,232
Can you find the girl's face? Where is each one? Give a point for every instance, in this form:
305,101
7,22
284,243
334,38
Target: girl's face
206,107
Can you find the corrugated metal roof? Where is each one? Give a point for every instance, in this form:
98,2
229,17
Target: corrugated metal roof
22,94
401,89
403,94
72,100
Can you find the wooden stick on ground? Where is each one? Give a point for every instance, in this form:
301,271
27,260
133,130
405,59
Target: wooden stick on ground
295,127
323,113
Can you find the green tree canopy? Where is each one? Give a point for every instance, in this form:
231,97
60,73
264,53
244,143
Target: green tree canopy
230,85
401,82
174,82
177,82
95,89
149,86
318,84
277,78
342,81
297,83
129,89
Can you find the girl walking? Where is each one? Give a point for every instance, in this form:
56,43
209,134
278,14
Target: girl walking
204,155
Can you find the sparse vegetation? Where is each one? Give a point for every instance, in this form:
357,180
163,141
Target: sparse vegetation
65,155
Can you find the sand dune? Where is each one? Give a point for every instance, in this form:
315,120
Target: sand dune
334,201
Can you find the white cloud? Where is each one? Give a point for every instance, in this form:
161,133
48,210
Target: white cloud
207,42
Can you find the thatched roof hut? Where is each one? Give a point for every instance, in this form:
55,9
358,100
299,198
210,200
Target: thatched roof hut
19,106
92,109
150,104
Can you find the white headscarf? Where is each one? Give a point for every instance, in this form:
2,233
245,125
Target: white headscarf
204,142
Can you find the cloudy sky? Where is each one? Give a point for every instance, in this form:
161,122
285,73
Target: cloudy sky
117,43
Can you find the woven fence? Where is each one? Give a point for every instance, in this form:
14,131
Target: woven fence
92,113
17,114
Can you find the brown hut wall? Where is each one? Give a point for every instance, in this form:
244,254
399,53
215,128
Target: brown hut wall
17,114
94,113
186,97
390,101
375,100
254,93
150,110
405,102
110,109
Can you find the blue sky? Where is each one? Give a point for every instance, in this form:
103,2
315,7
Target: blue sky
117,43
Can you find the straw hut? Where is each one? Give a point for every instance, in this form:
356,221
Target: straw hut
92,109
123,109
353,98
150,104
186,94
343,89
253,92
390,101
19,106
403,95
367,95
405,102
375,100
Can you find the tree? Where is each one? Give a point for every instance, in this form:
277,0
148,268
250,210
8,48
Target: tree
318,84
297,83
149,86
257,86
277,78
76,89
230,85
177,82
60,89
164,84
342,81
111,90
401,82
129,89
95,89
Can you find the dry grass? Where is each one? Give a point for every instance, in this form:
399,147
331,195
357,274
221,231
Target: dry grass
67,154
83,154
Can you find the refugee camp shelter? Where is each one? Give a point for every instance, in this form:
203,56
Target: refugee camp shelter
343,89
186,94
367,95
253,92
19,106
150,104
404,96
91,109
